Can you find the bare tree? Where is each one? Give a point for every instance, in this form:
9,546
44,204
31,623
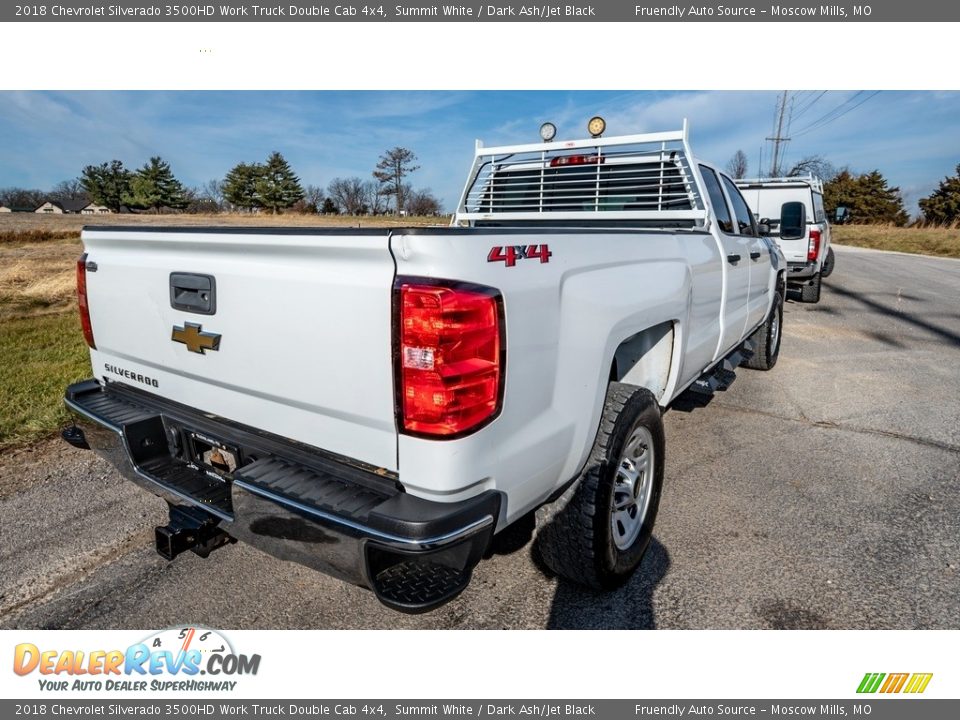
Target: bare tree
312,201
738,166
15,197
422,202
393,167
212,190
375,197
198,201
814,165
69,190
314,195
347,194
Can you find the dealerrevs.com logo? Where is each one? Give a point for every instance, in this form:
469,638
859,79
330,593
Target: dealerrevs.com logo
178,659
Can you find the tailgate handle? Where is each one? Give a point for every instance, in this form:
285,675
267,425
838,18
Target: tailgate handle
193,292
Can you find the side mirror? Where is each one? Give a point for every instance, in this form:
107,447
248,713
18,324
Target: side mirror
793,221
764,227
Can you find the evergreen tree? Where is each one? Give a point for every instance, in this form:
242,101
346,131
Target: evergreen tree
154,187
329,207
107,184
240,185
394,165
277,187
867,196
943,206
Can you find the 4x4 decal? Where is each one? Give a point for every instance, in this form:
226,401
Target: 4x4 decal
511,253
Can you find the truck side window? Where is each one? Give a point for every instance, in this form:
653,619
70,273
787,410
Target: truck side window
819,214
716,199
744,216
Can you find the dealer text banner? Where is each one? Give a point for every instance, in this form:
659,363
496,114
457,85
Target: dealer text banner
364,709
496,11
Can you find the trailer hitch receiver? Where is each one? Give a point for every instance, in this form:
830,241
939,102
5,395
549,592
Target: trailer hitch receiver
190,529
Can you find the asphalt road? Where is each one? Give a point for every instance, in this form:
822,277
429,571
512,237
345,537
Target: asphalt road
823,494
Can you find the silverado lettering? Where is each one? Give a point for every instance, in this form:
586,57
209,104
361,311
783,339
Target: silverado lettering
130,375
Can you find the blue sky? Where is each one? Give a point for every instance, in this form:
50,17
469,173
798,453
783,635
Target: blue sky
912,137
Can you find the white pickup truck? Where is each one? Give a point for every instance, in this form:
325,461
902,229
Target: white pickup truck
376,404
793,206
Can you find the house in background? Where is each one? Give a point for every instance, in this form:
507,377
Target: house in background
72,207
94,209
62,207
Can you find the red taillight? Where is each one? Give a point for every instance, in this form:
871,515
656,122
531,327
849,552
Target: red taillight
576,160
82,301
449,358
813,247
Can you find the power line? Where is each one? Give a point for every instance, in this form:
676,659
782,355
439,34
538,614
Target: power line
810,104
829,113
815,126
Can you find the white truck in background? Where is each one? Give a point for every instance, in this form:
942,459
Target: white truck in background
793,208
377,404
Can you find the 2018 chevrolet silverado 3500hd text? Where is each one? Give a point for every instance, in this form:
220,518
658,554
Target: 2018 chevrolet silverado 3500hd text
377,404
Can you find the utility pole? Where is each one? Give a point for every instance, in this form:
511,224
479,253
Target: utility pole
779,139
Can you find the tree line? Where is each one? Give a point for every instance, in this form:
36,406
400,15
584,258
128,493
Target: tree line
868,196
270,186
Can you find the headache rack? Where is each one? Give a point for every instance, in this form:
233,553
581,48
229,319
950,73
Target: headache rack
796,181
645,180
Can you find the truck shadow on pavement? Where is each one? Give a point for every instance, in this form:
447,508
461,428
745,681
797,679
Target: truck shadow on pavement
897,313
627,608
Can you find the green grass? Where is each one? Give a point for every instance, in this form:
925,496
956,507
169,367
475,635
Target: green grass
40,357
941,241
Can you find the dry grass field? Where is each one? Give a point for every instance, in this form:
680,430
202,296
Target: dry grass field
941,241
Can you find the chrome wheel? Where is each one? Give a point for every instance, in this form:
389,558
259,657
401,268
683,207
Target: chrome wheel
632,488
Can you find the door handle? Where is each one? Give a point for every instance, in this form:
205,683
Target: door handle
733,258
755,255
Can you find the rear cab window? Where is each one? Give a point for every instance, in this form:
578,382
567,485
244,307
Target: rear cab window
745,220
717,200
819,214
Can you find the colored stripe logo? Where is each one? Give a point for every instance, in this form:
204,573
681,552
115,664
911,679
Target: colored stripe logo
894,683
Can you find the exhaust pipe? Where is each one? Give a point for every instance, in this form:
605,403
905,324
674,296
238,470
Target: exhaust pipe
190,529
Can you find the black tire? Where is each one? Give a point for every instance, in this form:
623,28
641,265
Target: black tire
766,338
576,536
810,290
828,264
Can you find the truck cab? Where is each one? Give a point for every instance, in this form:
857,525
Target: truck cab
792,208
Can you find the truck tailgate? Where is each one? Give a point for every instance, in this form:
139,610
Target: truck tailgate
303,319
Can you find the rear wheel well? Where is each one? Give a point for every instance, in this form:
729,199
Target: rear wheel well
644,359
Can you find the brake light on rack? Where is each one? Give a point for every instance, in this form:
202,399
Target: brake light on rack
82,303
813,247
450,356
562,160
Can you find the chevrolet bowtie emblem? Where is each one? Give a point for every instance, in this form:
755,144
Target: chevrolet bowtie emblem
195,339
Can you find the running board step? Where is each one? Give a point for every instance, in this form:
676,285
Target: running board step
721,376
